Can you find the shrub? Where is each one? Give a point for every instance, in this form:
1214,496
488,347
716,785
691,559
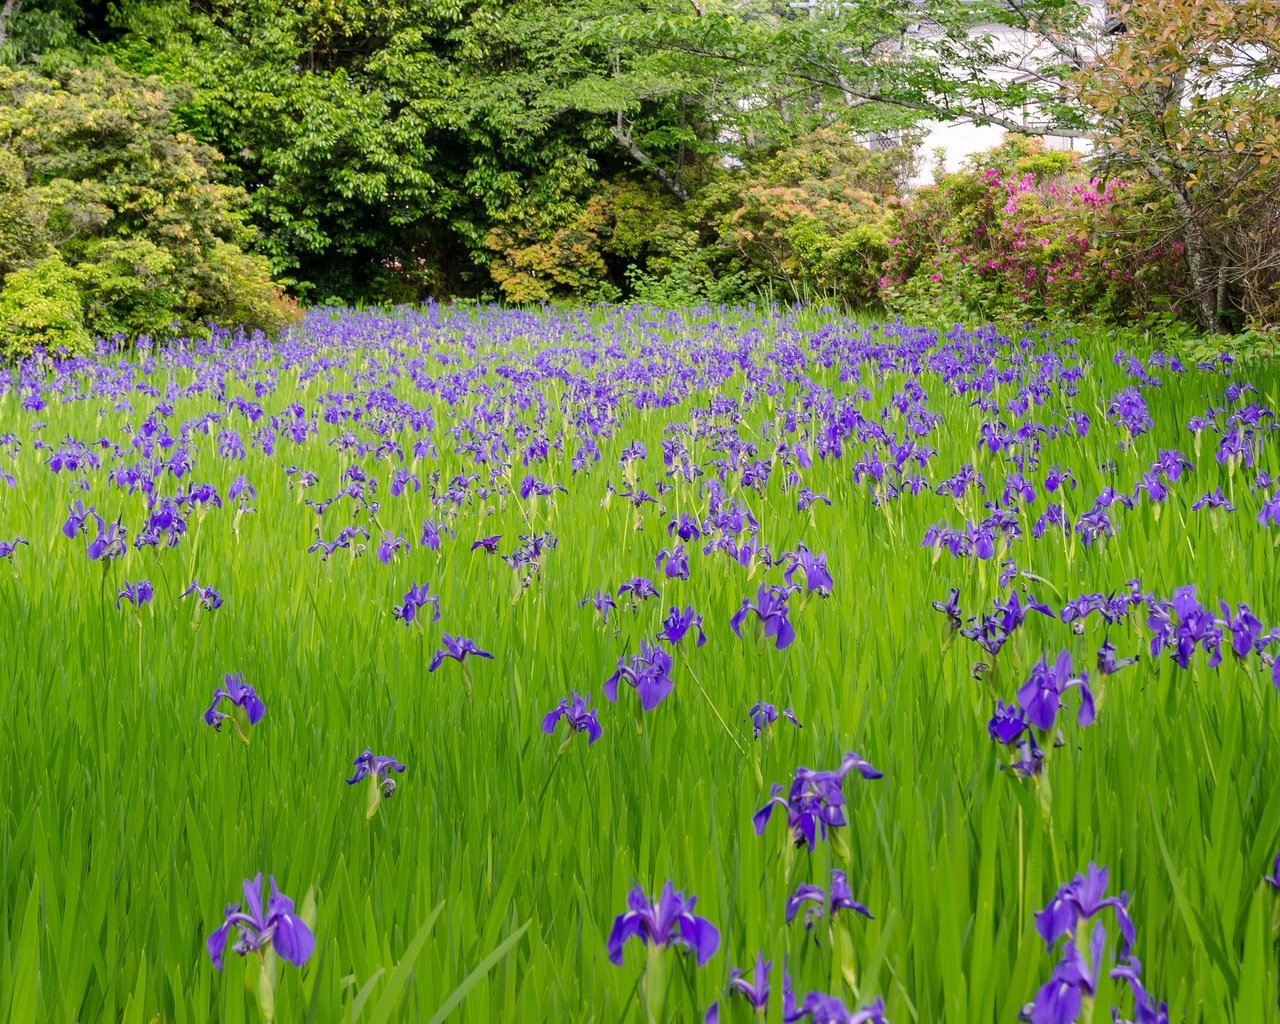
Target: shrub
95,169
40,307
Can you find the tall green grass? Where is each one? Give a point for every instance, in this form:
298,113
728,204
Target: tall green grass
485,889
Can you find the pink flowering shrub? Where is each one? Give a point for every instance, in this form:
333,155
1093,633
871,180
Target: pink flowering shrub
1021,233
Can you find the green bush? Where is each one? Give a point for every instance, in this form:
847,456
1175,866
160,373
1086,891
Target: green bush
40,307
107,201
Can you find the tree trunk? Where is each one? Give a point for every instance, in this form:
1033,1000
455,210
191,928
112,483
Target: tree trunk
6,14
1201,261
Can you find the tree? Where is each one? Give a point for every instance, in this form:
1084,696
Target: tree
1182,92
102,195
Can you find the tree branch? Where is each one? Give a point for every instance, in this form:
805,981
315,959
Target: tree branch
641,157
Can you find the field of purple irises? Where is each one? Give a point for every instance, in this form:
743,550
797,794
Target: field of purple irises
629,664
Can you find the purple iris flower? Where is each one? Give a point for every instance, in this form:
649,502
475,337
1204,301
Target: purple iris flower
277,927
1007,724
1269,514
416,598
824,1009
1060,999
1194,627
138,593
815,800
817,578
839,897
456,648
432,531
78,518
678,623
647,673
755,991
490,544
1145,1009
400,483
685,526
674,562
1245,628
379,767
210,599
667,921
1274,877
1108,664
240,486
577,712
1058,477
1082,899
1213,499
8,547
763,715
1041,695
951,608
390,545
771,610
242,695
639,588
603,602
1129,409
110,542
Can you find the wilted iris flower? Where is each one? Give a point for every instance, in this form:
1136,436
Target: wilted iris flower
210,599
838,897
771,611
379,767
276,927
576,711
668,921
647,672
815,800
457,648
417,597
678,623
763,715
1041,695
490,544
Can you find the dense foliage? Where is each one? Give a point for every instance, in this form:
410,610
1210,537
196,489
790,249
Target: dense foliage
588,150
463,626
112,219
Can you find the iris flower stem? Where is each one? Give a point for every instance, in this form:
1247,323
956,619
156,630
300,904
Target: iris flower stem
551,774
714,710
